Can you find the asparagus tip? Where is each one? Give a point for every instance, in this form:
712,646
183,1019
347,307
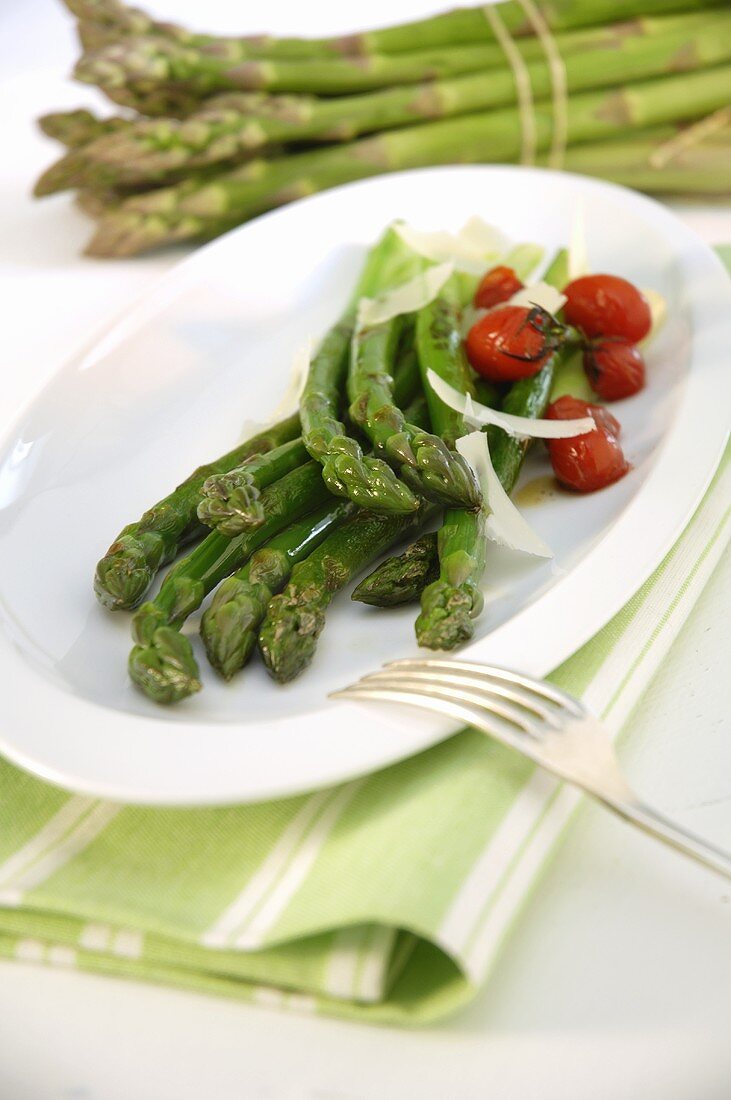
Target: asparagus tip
369,482
447,616
228,627
123,575
401,579
165,669
231,503
289,636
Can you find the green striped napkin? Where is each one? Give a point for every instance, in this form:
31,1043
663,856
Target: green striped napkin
385,899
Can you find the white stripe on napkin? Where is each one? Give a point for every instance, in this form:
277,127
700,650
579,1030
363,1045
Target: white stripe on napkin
267,893
68,832
342,965
252,934
493,862
372,976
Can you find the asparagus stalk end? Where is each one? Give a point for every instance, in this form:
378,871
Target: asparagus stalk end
401,579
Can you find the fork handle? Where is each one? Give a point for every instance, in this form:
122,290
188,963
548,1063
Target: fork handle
654,823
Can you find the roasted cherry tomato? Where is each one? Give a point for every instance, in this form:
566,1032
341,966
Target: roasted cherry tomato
586,462
615,368
499,284
512,342
606,305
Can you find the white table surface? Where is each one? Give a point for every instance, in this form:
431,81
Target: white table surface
616,984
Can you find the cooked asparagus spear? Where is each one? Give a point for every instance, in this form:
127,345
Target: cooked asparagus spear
423,460
161,662
450,604
296,617
347,471
401,579
231,502
127,569
230,626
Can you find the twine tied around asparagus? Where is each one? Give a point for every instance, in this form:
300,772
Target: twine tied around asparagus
690,136
523,89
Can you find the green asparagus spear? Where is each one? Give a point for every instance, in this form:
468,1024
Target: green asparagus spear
403,578
161,662
231,502
127,569
296,617
423,460
228,128
453,600
202,71
79,127
195,209
367,480
112,20
230,626
450,604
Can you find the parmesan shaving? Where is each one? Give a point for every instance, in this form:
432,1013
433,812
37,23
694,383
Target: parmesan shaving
406,298
539,294
578,258
471,249
525,427
504,525
659,310
470,316
290,401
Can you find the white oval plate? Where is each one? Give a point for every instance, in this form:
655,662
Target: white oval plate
173,383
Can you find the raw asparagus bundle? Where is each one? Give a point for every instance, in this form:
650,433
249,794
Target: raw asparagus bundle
228,128
111,21
204,208
591,59
435,91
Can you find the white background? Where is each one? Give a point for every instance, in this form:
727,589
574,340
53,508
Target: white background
617,983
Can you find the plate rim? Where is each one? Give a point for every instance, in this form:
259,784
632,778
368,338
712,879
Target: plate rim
152,300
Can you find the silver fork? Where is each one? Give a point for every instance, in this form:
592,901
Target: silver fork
539,720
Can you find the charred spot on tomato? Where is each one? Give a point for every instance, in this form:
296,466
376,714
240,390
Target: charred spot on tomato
615,368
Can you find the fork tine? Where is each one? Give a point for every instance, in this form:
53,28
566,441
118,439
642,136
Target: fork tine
462,712
477,699
481,683
538,687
